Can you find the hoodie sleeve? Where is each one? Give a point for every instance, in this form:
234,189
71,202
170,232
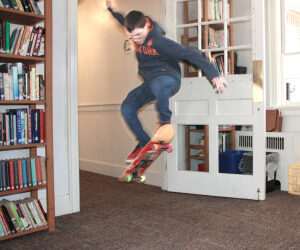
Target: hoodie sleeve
117,15
194,56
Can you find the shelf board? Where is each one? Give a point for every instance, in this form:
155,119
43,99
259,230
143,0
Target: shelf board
226,130
23,146
197,130
20,17
10,236
22,190
197,157
22,102
7,58
197,146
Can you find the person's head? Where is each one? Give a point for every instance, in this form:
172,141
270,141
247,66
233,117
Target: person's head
135,23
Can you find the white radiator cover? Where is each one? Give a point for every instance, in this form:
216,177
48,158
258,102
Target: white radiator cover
286,144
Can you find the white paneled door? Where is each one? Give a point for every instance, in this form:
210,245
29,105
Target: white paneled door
204,160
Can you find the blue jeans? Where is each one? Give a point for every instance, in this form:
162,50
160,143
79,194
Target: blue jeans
160,89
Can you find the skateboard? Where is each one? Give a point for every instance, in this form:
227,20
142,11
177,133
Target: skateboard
159,143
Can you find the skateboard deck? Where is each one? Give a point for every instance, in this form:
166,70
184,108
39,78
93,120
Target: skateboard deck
159,143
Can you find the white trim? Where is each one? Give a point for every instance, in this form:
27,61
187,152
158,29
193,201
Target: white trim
72,107
98,107
63,205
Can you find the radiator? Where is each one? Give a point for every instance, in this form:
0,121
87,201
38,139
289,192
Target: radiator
286,144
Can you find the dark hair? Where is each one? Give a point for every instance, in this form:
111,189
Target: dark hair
134,19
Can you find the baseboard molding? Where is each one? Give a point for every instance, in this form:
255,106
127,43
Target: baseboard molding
63,205
115,170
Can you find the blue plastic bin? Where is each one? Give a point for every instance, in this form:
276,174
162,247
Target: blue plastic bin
231,162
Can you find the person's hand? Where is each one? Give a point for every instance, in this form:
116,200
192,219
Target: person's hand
108,3
219,84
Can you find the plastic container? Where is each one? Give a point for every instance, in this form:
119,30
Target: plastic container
231,162
294,179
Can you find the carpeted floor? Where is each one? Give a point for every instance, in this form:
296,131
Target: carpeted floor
135,216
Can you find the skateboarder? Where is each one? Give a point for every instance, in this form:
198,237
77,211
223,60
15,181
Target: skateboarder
158,64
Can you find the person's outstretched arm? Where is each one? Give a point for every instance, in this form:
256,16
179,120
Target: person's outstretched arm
179,52
116,15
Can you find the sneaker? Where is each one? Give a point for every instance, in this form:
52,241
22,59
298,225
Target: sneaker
130,158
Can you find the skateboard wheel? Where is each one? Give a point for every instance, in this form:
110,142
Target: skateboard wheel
143,178
128,178
169,149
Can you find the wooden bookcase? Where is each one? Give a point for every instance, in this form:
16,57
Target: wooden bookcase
202,154
214,25
31,19
203,150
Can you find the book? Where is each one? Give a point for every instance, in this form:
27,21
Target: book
20,173
42,209
41,125
39,211
4,221
7,37
38,170
2,229
16,216
24,173
29,174
24,220
33,172
15,82
11,175
16,173
43,167
13,4
35,125
6,209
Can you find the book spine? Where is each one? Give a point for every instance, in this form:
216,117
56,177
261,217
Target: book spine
9,219
22,217
7,228
11,175
7,176
6,209
15,83
42,209
7,40
20,172
1,179
24,171
43,167
40,213
33,172
26,215
19,129
42,128
3,176
38,170
16,177
28,167
16,216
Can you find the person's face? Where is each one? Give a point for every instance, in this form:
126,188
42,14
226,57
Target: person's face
139,35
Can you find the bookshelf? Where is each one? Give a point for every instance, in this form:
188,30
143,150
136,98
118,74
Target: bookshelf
18,17
202,149
212,31
199,151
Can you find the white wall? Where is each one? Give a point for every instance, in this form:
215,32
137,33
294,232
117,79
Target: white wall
105,76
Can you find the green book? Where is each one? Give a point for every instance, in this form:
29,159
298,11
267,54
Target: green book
7,40
16,215
33,172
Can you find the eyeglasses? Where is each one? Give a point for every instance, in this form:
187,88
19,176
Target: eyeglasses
139,34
